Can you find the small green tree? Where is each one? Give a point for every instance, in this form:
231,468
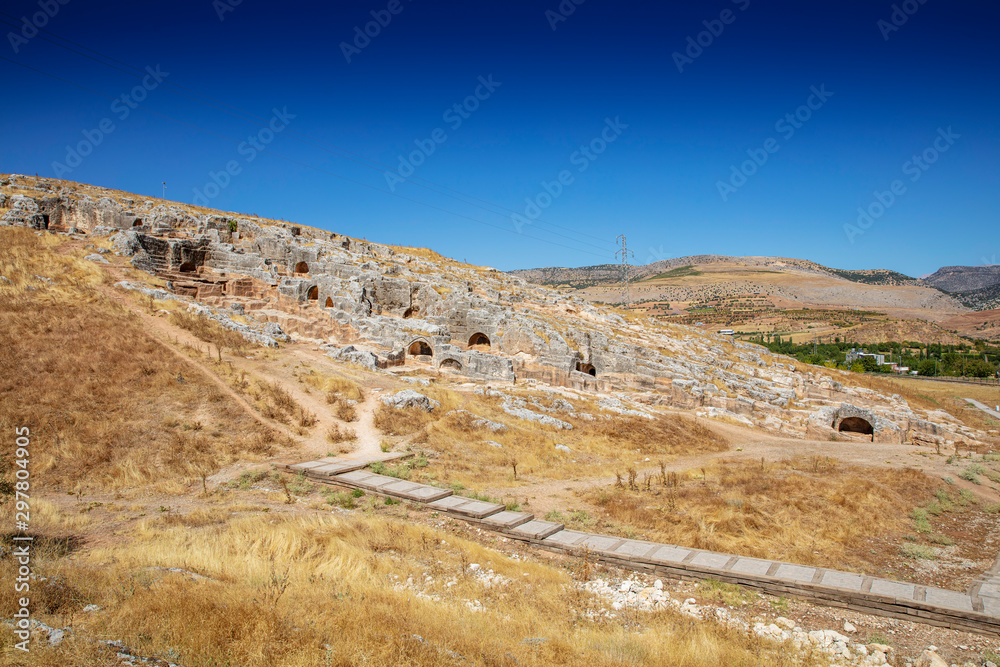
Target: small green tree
978,368
869,363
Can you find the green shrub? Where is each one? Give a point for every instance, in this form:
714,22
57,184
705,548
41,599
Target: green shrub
970,475
944,500
921,523
918,552
341,498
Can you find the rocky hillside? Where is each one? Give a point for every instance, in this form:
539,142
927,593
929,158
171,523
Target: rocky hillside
384,307
957,279
977,287
985,298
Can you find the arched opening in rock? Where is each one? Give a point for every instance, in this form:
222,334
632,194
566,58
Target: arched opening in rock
479,339
329,302
137,223
301,267
45,221
313,293
452,365
187,267
586,368
419,347
855,425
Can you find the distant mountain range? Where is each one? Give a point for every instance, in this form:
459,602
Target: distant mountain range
975,287
957,279
587,276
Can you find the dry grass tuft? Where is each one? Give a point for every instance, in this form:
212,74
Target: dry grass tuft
335,387
108,406
337,435
396,421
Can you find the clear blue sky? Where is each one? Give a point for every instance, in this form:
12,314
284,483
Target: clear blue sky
657,181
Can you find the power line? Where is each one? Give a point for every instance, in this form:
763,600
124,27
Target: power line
291,133
306,165
625,253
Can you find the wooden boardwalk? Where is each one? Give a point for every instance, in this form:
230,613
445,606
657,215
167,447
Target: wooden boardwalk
977,610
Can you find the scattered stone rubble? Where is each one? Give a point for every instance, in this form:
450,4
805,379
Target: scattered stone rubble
408,398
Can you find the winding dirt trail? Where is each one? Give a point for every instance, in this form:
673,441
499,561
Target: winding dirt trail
369,439
311,442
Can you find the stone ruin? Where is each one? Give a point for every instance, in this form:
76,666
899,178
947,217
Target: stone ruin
385,307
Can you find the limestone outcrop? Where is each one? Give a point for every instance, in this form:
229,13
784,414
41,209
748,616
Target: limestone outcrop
383,307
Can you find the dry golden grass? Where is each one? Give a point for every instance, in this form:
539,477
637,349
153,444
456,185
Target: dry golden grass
340,395
209,331
345,411
335,386
949,396
811,511
108,406
269,398
277,590
336,434
890,386
597,445
401,421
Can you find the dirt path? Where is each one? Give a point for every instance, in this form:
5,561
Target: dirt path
314,443
161,331
369,439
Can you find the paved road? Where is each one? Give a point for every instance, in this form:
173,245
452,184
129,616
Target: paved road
985,408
